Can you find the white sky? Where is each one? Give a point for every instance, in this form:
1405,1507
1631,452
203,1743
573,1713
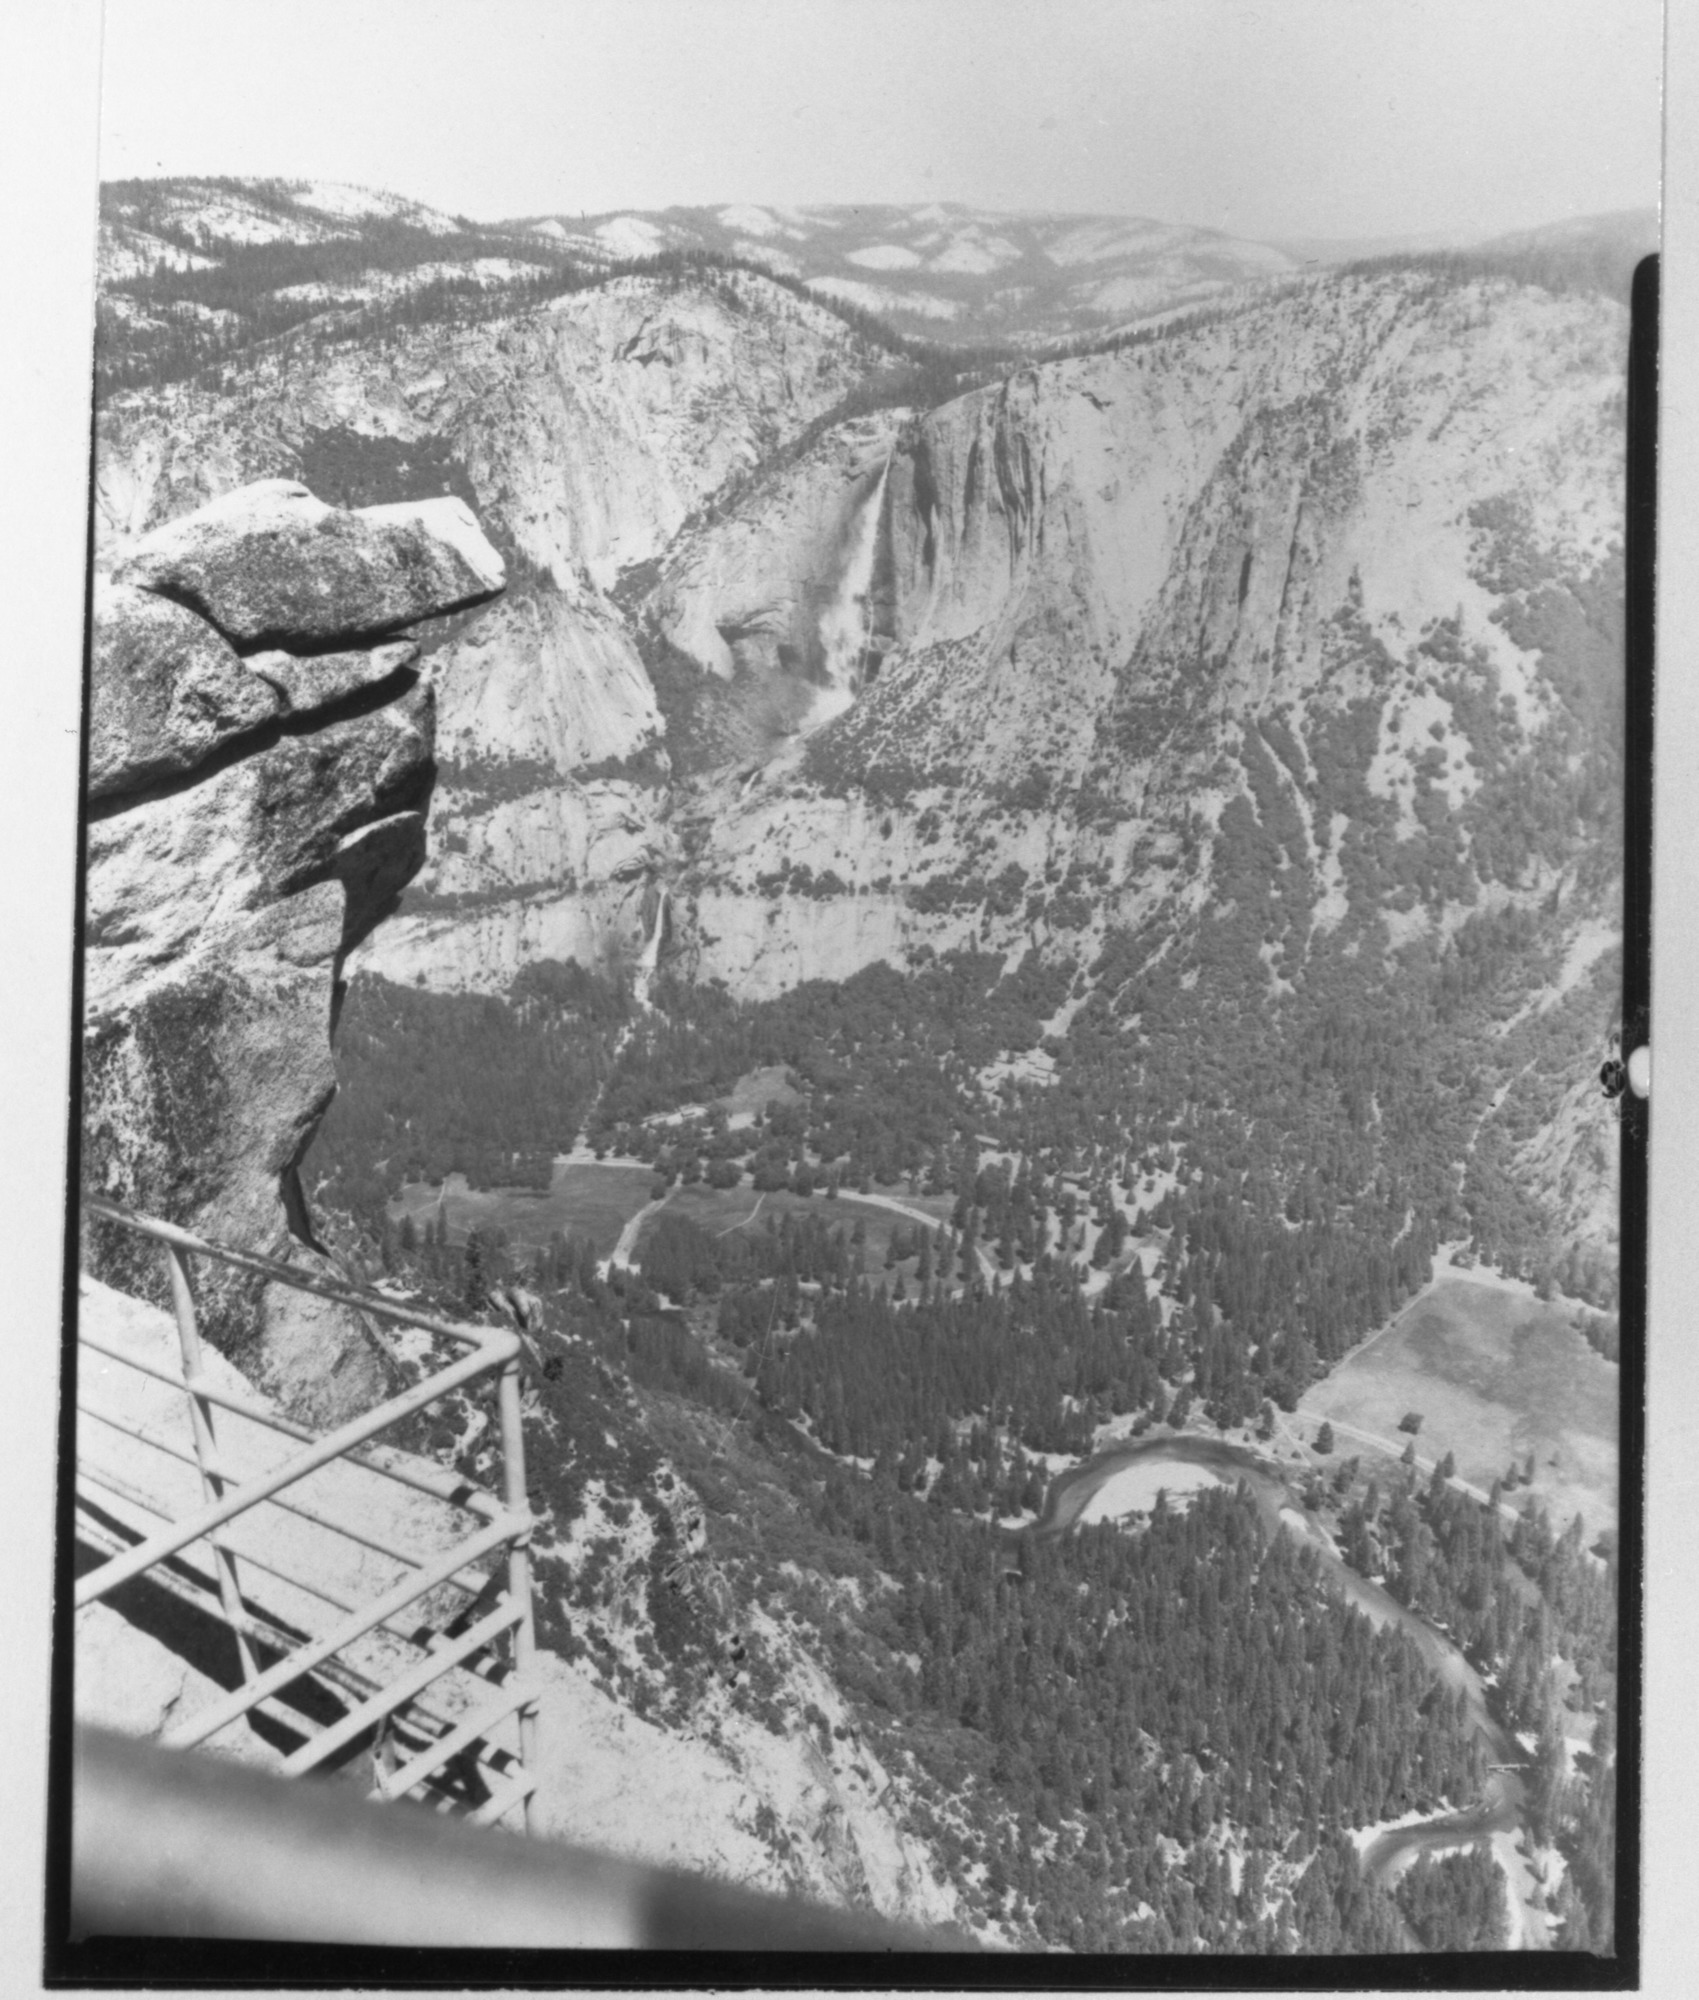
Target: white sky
1263,117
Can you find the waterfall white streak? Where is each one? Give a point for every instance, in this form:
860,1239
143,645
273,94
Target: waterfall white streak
844,622
644,975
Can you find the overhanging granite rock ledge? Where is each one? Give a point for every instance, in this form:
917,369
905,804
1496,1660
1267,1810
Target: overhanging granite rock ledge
258,816
271,565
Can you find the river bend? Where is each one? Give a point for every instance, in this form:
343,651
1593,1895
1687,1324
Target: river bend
1499,1811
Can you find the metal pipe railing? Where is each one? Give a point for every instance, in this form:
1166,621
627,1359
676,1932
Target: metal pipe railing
506,1522
397,1783
519,1564
399,1692
268,1632
209,1721
489,1338
265,1631
342,1530
333,1445
389,1464
167,1844
206,1449
429,1752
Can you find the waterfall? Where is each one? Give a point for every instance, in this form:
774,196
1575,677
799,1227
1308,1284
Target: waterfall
650,956
844,622
642,977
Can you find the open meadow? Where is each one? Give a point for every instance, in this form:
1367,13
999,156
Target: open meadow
594,1198
597,1198
720,1210
1495,1374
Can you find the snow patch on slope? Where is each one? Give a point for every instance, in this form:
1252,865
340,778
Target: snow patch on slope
340,199
751,221
876,299
884,257
1097,242
975,255
631,236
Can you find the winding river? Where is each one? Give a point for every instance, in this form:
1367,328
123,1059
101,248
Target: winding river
1499,1811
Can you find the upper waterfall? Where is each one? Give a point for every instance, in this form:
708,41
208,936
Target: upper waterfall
845,620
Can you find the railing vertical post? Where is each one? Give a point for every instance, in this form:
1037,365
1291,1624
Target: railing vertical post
519,1569
206,1450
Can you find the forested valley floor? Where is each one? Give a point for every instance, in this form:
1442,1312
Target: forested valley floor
867,1404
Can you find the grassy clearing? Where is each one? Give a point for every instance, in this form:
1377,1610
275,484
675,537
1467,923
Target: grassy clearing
758,1088
597,1199
594,1199
719,1210
1495,1374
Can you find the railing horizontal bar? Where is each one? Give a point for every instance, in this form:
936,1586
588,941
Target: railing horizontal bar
257,1623
403,1467
113,1482
405,1776
262,1627
289,1506
503,1800
398,1692
236,1704
124,1491
334,1444
109,1482
486,1338
184,1583
274,1633
203,1592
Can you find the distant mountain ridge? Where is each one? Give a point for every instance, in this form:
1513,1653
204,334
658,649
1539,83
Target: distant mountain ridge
948,271
196,271
939,269
1633,232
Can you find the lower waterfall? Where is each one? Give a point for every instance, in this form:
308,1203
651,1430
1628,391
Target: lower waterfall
643,974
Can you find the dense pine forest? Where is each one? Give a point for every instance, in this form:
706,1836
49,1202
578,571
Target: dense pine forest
1105,1764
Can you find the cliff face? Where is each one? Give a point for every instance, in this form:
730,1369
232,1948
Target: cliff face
1337,575
260,770
1011,715
1093,575
585,435
746,596
1091,531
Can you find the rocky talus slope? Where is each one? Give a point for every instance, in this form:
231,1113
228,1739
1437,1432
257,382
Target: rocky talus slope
260,767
